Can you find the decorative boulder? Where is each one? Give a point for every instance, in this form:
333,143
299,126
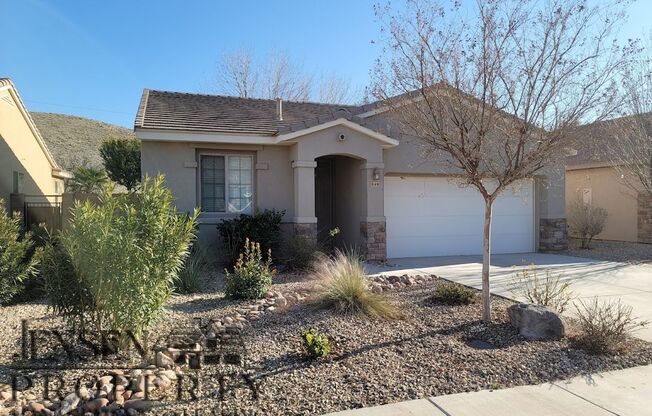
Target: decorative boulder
536,322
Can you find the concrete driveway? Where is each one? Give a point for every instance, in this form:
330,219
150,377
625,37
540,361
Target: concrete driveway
605,279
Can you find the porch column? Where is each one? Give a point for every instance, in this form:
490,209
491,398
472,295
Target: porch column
305,221
372,220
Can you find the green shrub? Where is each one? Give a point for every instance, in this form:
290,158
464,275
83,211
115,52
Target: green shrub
604,326
263,227
300,254
17,260
316,343
454,294
121,158
546,291
125,254
344,287
251,277
194,266
68,294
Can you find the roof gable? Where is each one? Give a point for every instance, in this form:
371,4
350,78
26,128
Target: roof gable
6,83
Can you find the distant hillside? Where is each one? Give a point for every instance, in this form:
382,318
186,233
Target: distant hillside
74,140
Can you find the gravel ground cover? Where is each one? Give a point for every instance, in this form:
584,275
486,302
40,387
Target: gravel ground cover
431,350
612,251
428,352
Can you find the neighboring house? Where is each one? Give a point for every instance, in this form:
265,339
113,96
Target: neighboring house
333,166
26,164
591,175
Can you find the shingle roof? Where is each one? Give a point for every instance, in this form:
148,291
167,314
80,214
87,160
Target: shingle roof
596,142
222,114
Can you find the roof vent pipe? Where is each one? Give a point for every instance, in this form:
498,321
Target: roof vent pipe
279,109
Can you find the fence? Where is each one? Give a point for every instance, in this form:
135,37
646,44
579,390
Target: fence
51,210
37,209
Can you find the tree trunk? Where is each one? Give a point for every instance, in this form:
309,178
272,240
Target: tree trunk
486,259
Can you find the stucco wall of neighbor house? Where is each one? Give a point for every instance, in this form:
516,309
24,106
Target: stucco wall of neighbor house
607,191
21,152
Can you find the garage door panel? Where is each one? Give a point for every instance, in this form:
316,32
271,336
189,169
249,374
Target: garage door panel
510,224
445,246
433,216
449,225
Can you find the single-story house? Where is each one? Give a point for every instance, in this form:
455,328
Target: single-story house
26,164
333,166
592,174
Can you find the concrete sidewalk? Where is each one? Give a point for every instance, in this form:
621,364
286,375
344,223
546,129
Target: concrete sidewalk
605,279
624,392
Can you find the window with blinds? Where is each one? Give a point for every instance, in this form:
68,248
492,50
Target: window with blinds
226,183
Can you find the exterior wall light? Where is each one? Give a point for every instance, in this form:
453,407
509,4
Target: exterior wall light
376,174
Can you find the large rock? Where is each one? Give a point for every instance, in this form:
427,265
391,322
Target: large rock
536,322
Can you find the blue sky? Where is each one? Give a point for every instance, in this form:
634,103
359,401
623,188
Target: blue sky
93,58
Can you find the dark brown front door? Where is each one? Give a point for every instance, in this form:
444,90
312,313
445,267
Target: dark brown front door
324,197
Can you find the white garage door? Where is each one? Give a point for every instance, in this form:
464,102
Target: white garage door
435,217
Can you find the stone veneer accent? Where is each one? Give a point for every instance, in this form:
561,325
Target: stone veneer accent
553,234
644,217
306,230
374,242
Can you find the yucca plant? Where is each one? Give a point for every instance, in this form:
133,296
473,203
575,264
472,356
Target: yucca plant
17,263
125,253
343,287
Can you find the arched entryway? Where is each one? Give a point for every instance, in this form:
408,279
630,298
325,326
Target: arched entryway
338,200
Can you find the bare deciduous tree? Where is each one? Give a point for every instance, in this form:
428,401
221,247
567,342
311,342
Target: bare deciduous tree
630,145
240,74
496,91
236,74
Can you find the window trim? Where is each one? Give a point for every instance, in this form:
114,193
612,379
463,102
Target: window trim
225,155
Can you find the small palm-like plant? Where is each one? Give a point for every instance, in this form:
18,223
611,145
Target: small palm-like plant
344,287
87,180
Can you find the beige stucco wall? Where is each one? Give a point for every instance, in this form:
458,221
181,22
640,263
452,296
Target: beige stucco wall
607,191
21,152
284,176
410,158
178,161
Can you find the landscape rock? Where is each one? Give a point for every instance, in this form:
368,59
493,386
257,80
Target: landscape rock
138,405
536,322
163,361
68,404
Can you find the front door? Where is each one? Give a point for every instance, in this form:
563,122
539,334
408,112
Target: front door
324,197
